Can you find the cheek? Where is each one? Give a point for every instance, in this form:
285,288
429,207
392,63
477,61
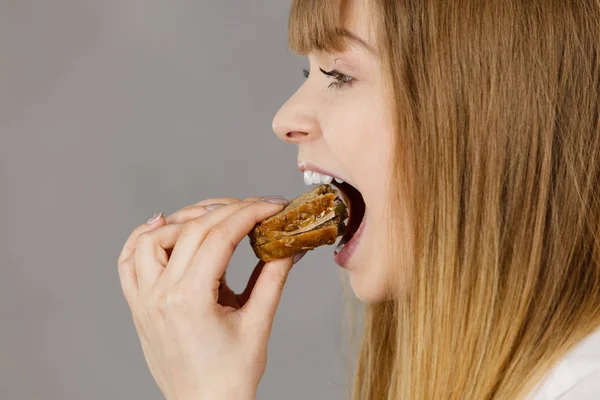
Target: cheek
357,130
346,139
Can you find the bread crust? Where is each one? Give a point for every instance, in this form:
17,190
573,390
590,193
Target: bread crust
274,239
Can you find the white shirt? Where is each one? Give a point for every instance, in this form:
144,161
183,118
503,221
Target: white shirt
576,376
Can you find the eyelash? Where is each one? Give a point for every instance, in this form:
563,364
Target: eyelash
341,80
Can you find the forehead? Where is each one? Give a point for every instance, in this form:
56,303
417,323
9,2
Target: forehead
326,26
358,18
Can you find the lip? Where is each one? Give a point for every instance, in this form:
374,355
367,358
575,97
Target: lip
303,166
342,258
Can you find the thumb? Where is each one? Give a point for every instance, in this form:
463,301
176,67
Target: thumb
264,298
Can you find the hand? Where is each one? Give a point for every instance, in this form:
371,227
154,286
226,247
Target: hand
200,339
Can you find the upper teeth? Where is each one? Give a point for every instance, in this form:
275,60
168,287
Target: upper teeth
315,178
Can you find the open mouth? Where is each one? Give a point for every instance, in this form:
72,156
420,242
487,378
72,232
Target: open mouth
356,210
355,206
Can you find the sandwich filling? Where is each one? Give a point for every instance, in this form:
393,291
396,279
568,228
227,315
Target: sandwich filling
356,209
310,220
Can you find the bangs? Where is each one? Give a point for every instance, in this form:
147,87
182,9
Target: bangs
314,25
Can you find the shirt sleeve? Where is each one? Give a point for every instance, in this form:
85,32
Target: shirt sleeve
587,388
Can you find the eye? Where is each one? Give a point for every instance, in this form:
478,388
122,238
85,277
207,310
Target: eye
341,80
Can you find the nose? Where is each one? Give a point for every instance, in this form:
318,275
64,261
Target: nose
296,120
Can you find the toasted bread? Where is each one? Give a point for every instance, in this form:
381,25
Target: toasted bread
312,219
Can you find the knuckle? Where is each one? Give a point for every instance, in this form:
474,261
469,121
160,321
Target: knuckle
206,202
230,200
120,263
155,302
124,267
193,226
188,212
137,231
222,235
175,217
219,233
140,230
151,308
143,240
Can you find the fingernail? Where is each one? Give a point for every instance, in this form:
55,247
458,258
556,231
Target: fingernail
275,199
298,256
211,207
154,218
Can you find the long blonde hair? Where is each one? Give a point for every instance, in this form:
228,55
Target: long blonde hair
496,109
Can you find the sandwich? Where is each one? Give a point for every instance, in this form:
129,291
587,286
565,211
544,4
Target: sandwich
315,218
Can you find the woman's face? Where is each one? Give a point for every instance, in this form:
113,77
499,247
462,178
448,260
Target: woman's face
343,126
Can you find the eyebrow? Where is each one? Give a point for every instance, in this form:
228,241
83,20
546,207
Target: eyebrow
354,38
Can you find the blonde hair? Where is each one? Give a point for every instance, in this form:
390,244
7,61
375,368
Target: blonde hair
496,109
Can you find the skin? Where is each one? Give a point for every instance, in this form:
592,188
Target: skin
346,131
199,338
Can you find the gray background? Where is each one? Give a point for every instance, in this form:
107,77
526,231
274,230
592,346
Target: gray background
112,110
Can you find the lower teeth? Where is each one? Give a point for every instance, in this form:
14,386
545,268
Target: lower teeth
339,247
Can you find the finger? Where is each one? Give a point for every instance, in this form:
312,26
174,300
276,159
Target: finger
264,298
129,247
212,257
128,278
185,214
243,297
196,210
218,200
193,235
151,253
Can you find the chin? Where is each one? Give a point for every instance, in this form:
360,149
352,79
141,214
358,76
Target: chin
368,289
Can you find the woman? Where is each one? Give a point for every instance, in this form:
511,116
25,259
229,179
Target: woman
472,131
